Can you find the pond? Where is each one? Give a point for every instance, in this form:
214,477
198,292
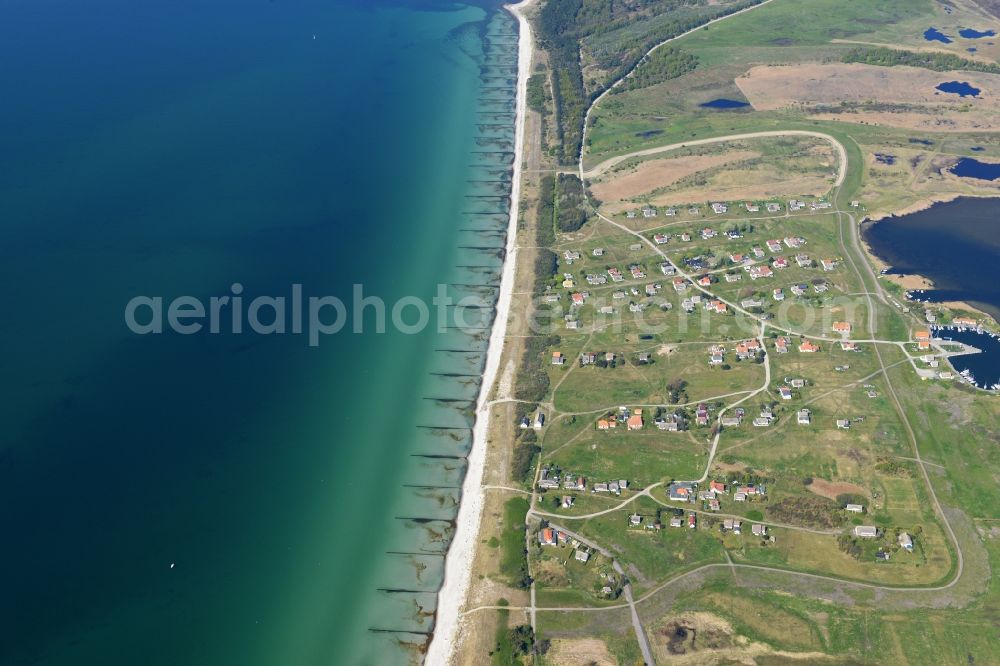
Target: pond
960,88
722,103
969,33
970,168
935,35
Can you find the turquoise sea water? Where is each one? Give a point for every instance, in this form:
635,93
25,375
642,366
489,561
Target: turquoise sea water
302,494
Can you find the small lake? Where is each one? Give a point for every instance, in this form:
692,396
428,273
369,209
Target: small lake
985,367
935,35
956,245
971,168
960,88
722,103
969,33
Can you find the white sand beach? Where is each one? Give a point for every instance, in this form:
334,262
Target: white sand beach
458,563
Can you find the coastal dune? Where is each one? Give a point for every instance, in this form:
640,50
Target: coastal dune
458,563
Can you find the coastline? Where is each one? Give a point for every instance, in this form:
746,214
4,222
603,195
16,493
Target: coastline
915,281
458,561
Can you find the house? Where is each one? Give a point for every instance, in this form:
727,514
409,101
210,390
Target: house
799,289
923,345
866,531
778,295
680,286
758,252
581,555
676,521
705,281
635,520
667,268
795,204
643,357
692,520
781,345
649,212
774,246
794,241
637,272
773,207
701,414
751,303
803,417
598,252
965,322
758,530
733,277
786,393
757,272
525,422
846,345
855,508
731,525
681,491
798,383
720,208
547,537
828,264
571,256
780,263
922,335
588,358
716,306
686,237
604,424
539,421
630,214
670,212
661,239
635,422
737,258
808,348
844,424
906,541
606,310
577,299
752,207
609,357
615,274
713,504
803,261
558,358
740,497
842,327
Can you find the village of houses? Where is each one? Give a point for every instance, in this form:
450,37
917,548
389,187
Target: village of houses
711,279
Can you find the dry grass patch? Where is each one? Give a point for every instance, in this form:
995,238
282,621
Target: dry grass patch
567,652
650,175
911,90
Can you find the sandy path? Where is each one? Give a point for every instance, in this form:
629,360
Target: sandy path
458,563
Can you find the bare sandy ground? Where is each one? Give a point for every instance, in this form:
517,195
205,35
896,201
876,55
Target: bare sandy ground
830,490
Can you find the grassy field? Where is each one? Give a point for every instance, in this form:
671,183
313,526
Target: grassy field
661,365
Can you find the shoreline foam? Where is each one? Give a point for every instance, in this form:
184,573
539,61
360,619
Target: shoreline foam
458,561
